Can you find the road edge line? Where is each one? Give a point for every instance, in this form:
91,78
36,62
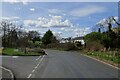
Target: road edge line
12,75
101,61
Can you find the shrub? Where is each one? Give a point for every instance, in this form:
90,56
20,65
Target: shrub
36,50
62,46
94,36
94,46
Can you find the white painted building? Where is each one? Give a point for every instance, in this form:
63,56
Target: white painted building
64,40
73,40
78,39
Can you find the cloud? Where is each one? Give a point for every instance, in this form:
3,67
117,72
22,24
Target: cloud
54,11
57,34
86,11
16,1
31,23
54,21
62,27
14,18
32,9
77,31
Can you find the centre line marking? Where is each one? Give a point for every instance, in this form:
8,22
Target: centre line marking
36,66
38,58
15,56
29,75
33,70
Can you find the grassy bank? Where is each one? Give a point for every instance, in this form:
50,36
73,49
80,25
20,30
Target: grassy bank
1,51
14,52
111,57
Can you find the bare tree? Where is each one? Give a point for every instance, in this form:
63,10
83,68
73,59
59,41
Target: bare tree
115,21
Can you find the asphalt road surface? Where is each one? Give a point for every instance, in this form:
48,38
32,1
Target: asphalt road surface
58,64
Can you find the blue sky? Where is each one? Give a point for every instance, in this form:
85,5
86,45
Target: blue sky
65,19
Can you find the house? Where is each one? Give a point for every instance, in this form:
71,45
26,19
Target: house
78,39
64,40
73,40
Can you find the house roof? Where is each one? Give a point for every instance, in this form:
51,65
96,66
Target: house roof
78,38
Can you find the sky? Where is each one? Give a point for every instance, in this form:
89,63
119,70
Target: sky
65,19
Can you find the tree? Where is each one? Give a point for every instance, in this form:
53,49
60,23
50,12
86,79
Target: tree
48,38
109,39
93,41
115,21
108,22
94,36
4,25
99,30
9,38
33,36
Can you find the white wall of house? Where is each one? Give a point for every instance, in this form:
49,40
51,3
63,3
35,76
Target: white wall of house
82,41
64,41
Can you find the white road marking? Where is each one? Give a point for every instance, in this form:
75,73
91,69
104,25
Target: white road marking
102,62
15,56
38,58
36,66
9,56
33,70
12,76
4,56
29,75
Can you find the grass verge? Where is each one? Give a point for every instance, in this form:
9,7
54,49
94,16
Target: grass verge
12,52
111,57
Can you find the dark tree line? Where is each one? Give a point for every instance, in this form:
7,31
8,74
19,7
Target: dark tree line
49,38
109,39
14,37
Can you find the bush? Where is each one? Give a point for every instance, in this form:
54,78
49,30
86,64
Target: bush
93,41
94,46
94,36
36,50
62,46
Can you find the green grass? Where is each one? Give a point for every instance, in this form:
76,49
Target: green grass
12,52
108,56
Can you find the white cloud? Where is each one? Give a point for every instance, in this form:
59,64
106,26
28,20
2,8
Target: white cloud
16,1
30,23
86,11
65,27
54,21
14,18
57,35
77,31
81,31
73,0
32,9
62,28
54,11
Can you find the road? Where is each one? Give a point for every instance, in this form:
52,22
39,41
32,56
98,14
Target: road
58,64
